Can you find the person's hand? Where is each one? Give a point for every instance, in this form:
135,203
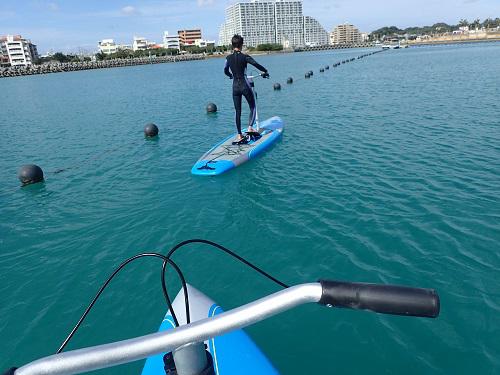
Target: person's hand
231,76
265,75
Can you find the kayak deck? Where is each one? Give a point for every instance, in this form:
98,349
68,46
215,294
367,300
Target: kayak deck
233,353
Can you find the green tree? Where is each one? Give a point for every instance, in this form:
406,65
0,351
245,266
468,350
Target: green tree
488,23
60,57
269,47
100,56
463,22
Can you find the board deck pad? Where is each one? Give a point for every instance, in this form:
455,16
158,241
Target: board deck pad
225,156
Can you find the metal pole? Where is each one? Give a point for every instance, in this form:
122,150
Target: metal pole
113,354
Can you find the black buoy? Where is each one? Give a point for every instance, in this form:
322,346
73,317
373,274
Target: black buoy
322,70
151,130
289,80
30,174
327,67
307,75
311,73
277,86
211,108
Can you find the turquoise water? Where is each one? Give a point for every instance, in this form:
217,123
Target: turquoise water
388,171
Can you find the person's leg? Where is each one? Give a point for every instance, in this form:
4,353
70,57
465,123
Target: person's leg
237,110
248,93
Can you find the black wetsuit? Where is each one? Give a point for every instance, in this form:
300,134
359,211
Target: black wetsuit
236,66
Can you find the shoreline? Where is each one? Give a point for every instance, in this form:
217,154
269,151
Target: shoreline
118,63
78,66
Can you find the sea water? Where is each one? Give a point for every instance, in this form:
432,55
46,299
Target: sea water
388,172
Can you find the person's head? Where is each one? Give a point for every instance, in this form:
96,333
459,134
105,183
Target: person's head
237,41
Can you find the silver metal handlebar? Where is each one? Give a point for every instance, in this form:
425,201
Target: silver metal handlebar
113,354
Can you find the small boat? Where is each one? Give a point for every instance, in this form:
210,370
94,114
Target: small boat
392,44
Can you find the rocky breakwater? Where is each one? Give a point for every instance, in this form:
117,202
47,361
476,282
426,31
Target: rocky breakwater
88,65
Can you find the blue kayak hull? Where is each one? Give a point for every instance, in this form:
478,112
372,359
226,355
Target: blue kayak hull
234,353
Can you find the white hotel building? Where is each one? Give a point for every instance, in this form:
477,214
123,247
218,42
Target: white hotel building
265,21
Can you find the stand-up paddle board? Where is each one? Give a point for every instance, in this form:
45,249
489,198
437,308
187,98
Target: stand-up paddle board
225,155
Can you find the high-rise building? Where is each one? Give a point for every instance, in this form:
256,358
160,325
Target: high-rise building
188,37
171,41
314,33
345,34
288,23
17,51
271,21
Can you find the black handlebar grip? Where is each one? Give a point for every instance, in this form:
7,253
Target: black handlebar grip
385,299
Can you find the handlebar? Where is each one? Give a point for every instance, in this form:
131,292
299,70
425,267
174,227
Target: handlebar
385,299
379,298
257,76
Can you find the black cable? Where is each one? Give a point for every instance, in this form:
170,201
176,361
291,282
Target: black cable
167,298
220,247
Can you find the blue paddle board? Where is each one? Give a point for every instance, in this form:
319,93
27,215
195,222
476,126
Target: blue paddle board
225,156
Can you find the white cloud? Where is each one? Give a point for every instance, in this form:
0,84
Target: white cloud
202,3
53,7
129,10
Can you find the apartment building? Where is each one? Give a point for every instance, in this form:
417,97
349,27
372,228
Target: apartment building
107,46
278,21
345,34
188,37
171,41
314,33
140,44
17,51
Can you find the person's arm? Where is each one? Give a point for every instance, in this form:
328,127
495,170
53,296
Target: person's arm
251,61
226,69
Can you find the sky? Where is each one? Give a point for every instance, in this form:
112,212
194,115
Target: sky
77,25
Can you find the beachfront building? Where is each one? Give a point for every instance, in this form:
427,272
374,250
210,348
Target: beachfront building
314,34
107,46
140,44
345,34
280,21
188,37
171,41
17,51
202,43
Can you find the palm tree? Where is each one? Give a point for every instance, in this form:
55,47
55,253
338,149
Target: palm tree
476,23
463,22
487,22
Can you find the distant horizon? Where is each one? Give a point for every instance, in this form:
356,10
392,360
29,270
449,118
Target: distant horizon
73,26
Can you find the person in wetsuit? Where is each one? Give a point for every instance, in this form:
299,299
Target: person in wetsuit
235,69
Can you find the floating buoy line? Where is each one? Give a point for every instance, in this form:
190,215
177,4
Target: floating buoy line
309,74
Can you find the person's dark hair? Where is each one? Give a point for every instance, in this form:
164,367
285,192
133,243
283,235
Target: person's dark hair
237,41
